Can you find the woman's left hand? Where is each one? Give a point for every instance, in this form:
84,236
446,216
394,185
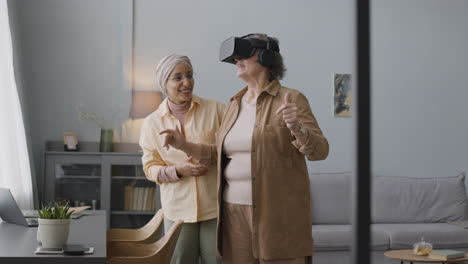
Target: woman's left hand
174,138
289,114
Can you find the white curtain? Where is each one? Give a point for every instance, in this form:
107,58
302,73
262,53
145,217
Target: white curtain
15,171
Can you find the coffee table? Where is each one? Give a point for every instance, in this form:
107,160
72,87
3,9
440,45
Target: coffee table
408,256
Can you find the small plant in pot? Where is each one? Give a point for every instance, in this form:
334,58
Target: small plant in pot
54,225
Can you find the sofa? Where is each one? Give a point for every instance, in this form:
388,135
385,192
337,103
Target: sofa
403,209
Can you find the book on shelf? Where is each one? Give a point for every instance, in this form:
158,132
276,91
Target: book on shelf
132,198
127,197
446,254
131,205
152,197
150,193
142,199
138,198
145,199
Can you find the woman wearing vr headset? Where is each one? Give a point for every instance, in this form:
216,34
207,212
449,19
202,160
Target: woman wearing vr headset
266,133
188,189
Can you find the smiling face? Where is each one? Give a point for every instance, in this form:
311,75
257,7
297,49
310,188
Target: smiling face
179,85
250,68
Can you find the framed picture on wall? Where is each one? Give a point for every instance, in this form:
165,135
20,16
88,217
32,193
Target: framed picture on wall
70,141
342,90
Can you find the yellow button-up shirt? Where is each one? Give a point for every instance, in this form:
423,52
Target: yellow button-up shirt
190,199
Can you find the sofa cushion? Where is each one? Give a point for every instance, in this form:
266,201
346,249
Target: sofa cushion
418,200
338,238
440,235
330,196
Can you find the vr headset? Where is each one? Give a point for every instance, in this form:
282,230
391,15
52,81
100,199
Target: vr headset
235,48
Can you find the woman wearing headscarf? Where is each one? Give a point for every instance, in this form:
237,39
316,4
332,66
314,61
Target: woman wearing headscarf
188,188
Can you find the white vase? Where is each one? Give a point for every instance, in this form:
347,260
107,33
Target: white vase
53,233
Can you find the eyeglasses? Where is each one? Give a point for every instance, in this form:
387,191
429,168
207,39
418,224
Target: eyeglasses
180,78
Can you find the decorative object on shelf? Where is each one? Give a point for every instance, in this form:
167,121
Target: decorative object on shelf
94,204
54,225
422,248
342,90
92,116
70,141
106,143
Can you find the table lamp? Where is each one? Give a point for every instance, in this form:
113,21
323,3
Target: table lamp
144,103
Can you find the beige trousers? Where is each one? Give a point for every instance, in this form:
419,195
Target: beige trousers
237,238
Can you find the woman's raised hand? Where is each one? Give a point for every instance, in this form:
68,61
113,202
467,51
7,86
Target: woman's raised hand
289,113
173,138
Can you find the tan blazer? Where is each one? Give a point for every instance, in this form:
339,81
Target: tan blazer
280,184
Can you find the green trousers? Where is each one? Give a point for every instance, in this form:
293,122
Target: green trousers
196,243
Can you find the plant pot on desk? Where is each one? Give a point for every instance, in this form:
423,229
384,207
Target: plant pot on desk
53,233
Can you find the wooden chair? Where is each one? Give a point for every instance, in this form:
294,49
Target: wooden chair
159,252
149,233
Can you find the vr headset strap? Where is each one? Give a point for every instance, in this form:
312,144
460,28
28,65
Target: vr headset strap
263,44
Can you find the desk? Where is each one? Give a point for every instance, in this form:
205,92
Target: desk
18,243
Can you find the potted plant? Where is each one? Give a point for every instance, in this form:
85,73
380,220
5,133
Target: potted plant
54,225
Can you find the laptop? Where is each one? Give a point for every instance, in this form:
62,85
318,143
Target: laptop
10,212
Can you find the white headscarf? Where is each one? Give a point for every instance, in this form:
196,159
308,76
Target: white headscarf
165,66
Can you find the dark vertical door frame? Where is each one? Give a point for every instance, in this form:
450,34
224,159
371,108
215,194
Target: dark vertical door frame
361,186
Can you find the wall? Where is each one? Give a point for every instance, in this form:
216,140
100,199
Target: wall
71,53
419,87
80,52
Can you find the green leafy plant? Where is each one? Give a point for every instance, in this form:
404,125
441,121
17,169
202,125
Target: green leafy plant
57,211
